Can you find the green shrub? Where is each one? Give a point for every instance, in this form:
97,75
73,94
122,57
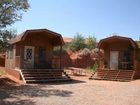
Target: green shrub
77,43
91,42
85,52
94,67
56,51
2,72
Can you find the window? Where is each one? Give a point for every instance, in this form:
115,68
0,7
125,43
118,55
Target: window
28,53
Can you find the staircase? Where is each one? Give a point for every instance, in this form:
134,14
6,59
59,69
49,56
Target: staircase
114,75
44,75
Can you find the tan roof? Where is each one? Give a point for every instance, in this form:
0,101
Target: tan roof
23,35
113,38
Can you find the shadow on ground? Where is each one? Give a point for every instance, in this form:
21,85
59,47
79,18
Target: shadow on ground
73,81
11,94
17,102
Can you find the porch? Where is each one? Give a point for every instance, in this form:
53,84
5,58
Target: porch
118,59
119,62
119,53
32,55
34,50
40,66
38,62
113,75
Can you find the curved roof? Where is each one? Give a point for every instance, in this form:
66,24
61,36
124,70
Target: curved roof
115,38
22,36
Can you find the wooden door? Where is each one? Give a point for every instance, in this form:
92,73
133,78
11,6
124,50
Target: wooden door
28,57
114,59
42,63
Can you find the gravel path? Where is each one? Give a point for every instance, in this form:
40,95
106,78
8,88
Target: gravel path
79,92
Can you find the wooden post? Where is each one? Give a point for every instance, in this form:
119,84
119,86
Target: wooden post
21,52
99,58
134,57
60,57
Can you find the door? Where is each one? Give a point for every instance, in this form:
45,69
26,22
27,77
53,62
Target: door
114,59
42,64
28,57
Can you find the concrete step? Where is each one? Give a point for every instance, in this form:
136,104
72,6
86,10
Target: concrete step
118,75
47,80
41,76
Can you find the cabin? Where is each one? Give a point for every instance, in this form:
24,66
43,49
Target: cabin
120,59
29,56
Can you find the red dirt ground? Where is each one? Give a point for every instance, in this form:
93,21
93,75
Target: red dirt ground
80,91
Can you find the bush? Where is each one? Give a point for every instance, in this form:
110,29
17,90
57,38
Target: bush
2,72
77,43
57,52
91,42
94,67
85,52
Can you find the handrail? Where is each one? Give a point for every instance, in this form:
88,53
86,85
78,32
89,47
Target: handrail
22,76
66,74
106,73
133,75
117,74
114,74
93,74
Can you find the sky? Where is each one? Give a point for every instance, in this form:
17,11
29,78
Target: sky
101,18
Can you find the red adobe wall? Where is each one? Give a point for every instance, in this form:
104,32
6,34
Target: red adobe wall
77,60
14,73
83,62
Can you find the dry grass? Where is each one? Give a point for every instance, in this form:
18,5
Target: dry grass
2,72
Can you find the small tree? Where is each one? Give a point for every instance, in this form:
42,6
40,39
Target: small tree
10,11
5,35
57,51
91,42
95,67
77,43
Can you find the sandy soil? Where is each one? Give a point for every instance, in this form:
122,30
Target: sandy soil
79,92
